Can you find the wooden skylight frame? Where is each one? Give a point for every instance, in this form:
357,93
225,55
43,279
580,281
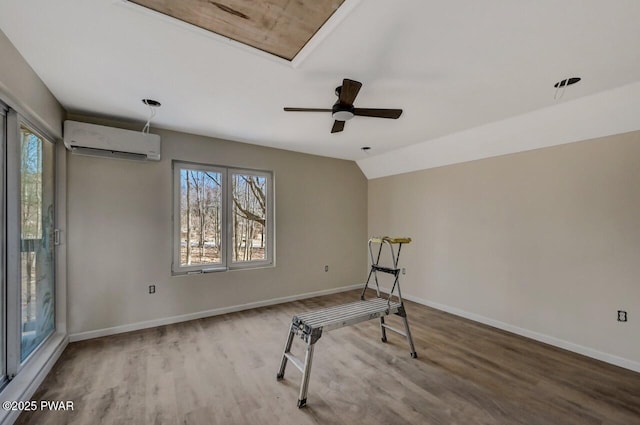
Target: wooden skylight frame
279,27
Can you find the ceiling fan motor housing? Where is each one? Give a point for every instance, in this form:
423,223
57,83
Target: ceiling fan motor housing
342,112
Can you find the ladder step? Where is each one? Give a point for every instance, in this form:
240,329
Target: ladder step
296,361
391,328
345,315
385,269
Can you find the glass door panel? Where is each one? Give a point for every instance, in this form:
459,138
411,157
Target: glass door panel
36,240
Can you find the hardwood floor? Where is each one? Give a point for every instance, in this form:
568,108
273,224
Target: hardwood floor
222,370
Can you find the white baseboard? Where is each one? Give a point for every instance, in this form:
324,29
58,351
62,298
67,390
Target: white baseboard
556,342
202,314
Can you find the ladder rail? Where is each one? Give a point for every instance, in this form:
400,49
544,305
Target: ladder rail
396,281
375,266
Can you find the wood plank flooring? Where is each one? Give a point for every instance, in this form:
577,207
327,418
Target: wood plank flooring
222,370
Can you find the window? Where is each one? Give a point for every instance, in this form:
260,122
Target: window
223,218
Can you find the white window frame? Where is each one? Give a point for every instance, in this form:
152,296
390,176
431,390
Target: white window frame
227,262
3,321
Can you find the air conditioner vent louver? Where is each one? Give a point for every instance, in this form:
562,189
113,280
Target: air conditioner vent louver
108,142
80,150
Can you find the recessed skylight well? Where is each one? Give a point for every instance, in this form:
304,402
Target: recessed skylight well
270,26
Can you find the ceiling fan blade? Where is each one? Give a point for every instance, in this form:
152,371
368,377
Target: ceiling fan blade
378,113
349,91
338,126
307,110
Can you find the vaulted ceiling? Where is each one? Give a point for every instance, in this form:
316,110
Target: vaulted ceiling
450,65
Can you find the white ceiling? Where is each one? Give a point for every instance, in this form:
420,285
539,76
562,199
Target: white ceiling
452,65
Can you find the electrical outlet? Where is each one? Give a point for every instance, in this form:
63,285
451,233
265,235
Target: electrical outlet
152,289
404,271
622,316
326,268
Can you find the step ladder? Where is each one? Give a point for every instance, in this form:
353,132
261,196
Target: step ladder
309,326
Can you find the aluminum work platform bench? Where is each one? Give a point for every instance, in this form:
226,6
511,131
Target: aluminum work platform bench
309,326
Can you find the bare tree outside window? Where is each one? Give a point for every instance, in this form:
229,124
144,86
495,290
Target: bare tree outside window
249,217
200,216
36,240
224,217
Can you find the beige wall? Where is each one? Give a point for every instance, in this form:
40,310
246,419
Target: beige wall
119,216
547,241
21,87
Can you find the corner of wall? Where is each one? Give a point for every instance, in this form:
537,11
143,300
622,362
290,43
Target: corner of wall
25,92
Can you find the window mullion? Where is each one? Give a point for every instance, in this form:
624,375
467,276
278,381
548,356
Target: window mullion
228,224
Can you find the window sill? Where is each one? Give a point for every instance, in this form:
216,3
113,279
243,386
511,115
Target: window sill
235,268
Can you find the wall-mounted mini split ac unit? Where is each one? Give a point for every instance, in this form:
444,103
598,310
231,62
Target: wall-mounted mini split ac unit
98,140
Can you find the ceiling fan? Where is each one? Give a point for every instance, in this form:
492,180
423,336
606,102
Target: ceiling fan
343,110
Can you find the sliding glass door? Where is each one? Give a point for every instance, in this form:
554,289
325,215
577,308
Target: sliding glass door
36,240
3,270
30,195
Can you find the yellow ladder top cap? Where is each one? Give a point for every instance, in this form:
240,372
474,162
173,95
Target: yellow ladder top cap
381,239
